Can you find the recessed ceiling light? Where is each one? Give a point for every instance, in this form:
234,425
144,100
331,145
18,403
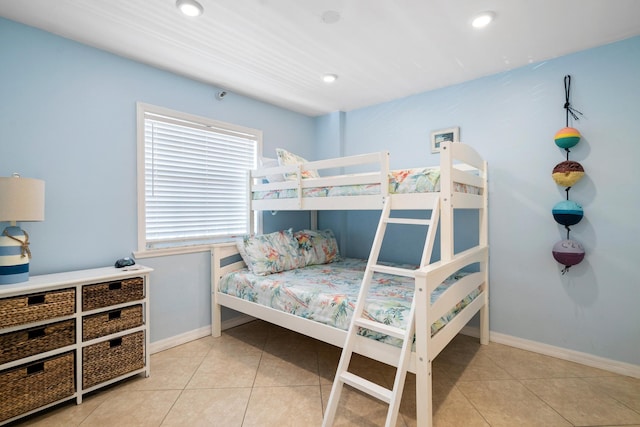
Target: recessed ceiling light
330,16
483,19
329,78
190,7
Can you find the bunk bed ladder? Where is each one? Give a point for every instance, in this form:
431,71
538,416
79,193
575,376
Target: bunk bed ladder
393,396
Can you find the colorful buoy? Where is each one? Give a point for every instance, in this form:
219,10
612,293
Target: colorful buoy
568,252
567,212
567,173
567,137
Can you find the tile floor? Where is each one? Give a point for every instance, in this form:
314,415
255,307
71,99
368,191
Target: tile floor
262,375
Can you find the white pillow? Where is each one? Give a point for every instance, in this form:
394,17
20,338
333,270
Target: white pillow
287,158
266,162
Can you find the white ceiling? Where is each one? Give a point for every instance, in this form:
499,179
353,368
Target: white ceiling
278,50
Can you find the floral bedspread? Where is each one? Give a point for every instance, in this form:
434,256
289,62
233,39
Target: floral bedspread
327,293
419,180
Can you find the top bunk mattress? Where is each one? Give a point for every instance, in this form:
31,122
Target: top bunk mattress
405,181
327,293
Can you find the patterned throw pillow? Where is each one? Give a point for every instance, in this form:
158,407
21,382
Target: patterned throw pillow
286,158
270,253
317,247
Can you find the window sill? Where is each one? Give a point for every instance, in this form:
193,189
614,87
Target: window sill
153,253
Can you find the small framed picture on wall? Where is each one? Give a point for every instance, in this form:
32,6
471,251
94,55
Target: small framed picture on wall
440,136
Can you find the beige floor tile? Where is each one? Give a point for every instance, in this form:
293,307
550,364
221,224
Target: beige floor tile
523,364
456,415
358,409
167,373
294,368
284,406
453,409
624,389
64,415
253,334
323,346
221,370
372,370
508,403
197,348
463,344
457,367
450,407
255,327
133,408
239,343
284,341
581,403
219,407
327,365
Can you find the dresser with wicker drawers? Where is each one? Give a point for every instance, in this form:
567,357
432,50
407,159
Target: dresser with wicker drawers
66,334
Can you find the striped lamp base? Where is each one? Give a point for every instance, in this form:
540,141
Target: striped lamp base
14,267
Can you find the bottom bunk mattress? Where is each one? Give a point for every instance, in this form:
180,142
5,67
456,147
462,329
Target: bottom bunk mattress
327,294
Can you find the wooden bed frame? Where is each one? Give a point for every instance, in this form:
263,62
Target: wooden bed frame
459,164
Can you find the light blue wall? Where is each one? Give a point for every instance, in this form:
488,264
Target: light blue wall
511,119
68,116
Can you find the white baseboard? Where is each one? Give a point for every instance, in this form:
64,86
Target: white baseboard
586,359
195,334
177,340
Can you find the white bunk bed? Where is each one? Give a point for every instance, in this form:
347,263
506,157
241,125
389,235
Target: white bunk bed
460,168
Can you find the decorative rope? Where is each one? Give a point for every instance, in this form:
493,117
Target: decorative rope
25,251
567,104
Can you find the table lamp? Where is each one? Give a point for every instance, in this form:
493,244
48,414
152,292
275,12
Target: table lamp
21,199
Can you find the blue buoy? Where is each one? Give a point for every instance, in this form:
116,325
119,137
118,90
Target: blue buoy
567,212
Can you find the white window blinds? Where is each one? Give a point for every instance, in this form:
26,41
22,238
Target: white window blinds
195,179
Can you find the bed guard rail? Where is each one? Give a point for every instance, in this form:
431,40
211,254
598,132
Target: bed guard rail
437,272
379,160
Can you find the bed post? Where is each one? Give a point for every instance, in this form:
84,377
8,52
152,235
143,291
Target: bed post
484,266
446,205
384,175
216,312
313,220
424,392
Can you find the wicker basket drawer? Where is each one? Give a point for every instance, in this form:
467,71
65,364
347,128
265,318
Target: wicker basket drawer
35,307
111,293
110,322
27,342
112,358
30,386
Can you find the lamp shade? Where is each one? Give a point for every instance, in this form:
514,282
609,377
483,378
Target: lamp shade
21,199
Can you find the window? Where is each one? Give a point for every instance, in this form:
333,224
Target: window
192,178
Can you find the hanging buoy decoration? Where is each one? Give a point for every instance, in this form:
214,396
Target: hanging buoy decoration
567,212
567,173
567,137
568,252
